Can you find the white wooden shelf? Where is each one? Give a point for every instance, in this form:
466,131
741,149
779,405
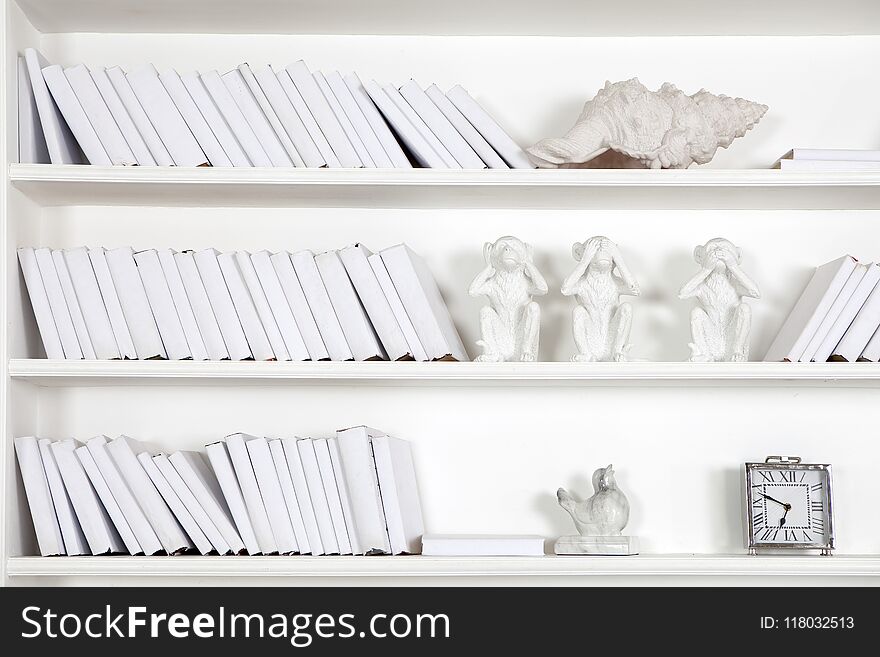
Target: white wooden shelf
52,185
721,565
44,372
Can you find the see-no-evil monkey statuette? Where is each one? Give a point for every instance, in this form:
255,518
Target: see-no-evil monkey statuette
510,325
720,324
601,323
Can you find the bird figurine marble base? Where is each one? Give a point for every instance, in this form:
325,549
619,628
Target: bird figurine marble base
597,545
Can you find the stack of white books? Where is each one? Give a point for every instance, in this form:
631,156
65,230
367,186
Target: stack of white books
350,304
355,493
837,318
828,159
250,117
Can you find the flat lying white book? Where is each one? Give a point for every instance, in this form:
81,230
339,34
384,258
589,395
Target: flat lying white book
279,460
198,300
859,333
163,114
67,102
278,306
135,304
400,494
353,320
269,115
73,307
380,128
249,107
162,304
465,129
221,303
39,497
245,309
831,317
331,490
75,543
110,295
482,545
355,115
407,133
99,115
237,122
250,491
871,353
848,315
129,131
58,304
421,126
305,114
318,495
850,155
208,108
96,524
303,498
344,498
272,495
809,311
347,126
60,142
93,310
423,303
493,133
32,147
191,114
40,304
261,304
299,306
412,339
319,303
362,482
179,303
139,117
828,165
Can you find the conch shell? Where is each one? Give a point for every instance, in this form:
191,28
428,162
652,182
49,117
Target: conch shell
659,129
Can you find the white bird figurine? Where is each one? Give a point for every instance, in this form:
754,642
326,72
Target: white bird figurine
605,513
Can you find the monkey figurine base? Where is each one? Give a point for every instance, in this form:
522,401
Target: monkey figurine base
510,325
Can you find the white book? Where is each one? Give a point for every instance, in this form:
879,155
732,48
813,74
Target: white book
249,107
356,326
58,304
323,114
60,142
124,122
135,304
828,165
358,467
93,310
847,316
74,116
40,303
290,121
356,261
75,543
858,335
421,126
493,133
383,133
305,115
197,296
184,312
93,518
407,133
412,339
358,119
253,328
123,450
331,490
309,461
279,308
99,116
400,494
269,114
108,501
32,147
809,311
465,129
135,519
833,314
110,295
162,304
303,497
139,117
423,303
237,122
272,495
39,497
250,491
849,155
194,120
440,126
347,126
202,482
208,108
183,516
221,303
320,305
73,307
261,304
344,498
173,130
871,352
294,515
299,306
476,545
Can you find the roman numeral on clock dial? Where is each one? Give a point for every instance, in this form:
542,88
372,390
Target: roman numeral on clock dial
787,476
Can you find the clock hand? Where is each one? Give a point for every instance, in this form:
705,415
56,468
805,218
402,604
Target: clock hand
784,505
782,519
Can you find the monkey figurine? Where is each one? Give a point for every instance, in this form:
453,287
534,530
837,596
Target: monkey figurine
721,321
511,323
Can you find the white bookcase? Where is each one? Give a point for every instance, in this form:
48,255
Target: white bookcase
491,442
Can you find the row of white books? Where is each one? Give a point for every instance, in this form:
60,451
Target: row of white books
250,117
355,493
350,304
837,318
829,159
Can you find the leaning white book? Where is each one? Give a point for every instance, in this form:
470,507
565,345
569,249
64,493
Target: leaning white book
98,257
191,114
380,128
414,141
228,141
249,107
317,494
261,304
184,312
32,147
40,304
272,495
162,304
871,353
468,132
303,498
75,543
221,464
75,117
305,114
126,125
39,497
299,305
93,310
482,545
60,141
412,339
200,304
270,115
347,126
859,333
244,307
221,304
358,120
331,490
235,119
279,307
320,305
831,317
250,490
848,315
139,117
135,304
73,307
294,514
437,146
400,494
58,304
344,498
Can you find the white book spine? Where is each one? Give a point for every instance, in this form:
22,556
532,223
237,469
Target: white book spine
276,449
383,133
357,118
871,352
126,125
334,502
347,126
426,132
270,115
162,304
863,327
58,304
40,304
819,338
74,116
187,319
465,129
303,498
299,306
88,295
249,107
139,117
344,498
400,494
273,497
278,306
305,115
39,497
250,490
135,304
60,142
191,114
208,108
261,303
320,305
197,298
318,495
412,339
221,304
73,307
75,543
32,147
406,131
846,316
244,306
110,295
237,122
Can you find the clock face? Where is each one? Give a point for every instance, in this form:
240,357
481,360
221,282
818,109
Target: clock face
789,506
